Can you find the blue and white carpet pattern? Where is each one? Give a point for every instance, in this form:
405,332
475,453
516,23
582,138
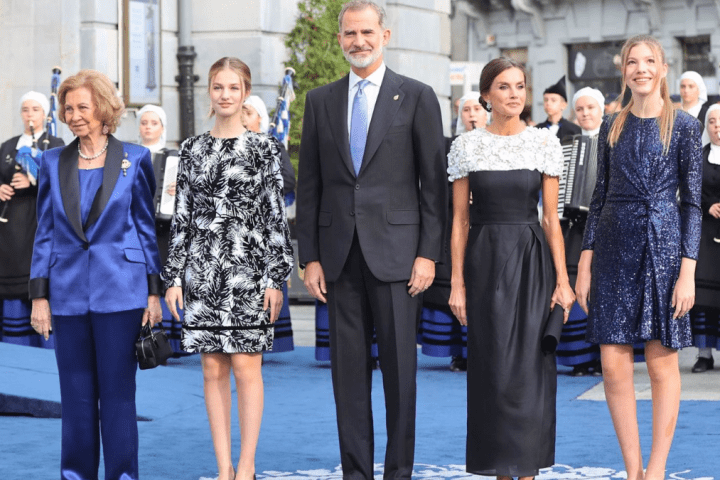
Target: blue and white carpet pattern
452,472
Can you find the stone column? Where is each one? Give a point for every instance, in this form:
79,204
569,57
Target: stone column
254,31
420,45
36,36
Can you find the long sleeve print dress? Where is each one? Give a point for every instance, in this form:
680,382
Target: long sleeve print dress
640,232
229,241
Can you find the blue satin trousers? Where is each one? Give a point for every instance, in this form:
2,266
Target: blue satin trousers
96,361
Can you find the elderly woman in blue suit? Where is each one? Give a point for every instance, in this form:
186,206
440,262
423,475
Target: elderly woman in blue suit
94,277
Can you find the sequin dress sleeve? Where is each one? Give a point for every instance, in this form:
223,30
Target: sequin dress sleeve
598,197
690,183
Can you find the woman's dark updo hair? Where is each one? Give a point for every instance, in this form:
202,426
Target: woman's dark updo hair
494,68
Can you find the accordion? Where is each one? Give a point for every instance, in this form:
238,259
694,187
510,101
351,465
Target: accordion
165,165
578,178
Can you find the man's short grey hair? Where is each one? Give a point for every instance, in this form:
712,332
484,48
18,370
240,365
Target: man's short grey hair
356,5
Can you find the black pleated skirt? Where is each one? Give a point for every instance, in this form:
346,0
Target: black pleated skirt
512,385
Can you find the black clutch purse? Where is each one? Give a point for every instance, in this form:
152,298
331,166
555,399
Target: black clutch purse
553,330
152,348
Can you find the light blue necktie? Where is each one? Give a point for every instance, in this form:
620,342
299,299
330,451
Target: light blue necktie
359,126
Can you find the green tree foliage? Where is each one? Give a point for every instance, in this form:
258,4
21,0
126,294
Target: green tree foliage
315,56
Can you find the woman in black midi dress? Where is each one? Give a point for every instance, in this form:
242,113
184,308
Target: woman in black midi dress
507,274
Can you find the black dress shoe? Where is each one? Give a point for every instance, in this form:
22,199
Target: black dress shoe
458,364
703,365
596,368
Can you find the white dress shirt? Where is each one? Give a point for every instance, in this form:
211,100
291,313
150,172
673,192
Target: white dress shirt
26,140
695,111
591,133
372,89
714,156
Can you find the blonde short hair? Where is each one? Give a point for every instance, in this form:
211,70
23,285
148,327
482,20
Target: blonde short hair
108,106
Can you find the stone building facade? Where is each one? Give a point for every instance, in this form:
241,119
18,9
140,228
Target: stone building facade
580,38
75,34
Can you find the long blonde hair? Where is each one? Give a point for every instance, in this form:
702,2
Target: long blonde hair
667,116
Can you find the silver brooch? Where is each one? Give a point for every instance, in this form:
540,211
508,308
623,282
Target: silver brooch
125,165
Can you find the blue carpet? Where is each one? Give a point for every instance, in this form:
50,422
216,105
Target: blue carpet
298,438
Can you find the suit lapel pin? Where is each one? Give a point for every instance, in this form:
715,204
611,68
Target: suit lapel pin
125,165
396,97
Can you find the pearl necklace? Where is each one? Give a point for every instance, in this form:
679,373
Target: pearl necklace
93,157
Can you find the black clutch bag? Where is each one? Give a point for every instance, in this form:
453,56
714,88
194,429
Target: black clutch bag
152,348
553,330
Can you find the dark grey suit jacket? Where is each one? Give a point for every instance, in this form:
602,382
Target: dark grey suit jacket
397,202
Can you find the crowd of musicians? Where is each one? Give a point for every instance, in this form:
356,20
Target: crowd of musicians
464,245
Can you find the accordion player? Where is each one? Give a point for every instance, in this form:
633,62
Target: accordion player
576,188
577,184
165,165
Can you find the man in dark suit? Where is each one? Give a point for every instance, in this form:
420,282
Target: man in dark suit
555,102
372,193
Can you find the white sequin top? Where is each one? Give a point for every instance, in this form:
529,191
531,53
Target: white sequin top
479,150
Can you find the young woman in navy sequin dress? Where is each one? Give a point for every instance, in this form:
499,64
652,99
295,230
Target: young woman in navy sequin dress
641,245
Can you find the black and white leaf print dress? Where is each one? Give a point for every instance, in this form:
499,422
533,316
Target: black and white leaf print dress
229,241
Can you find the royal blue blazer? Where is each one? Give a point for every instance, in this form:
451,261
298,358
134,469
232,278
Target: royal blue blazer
111,263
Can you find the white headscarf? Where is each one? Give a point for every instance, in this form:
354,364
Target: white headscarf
163,119
714,157
459,125
695,77
589,92
596,95
38,97
259,106
26,140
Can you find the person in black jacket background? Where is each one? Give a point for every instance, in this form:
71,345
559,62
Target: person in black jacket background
256,119
554,103
18,192
694,95
440,333
705,315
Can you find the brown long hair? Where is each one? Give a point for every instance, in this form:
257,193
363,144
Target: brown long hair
667,116
237,66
